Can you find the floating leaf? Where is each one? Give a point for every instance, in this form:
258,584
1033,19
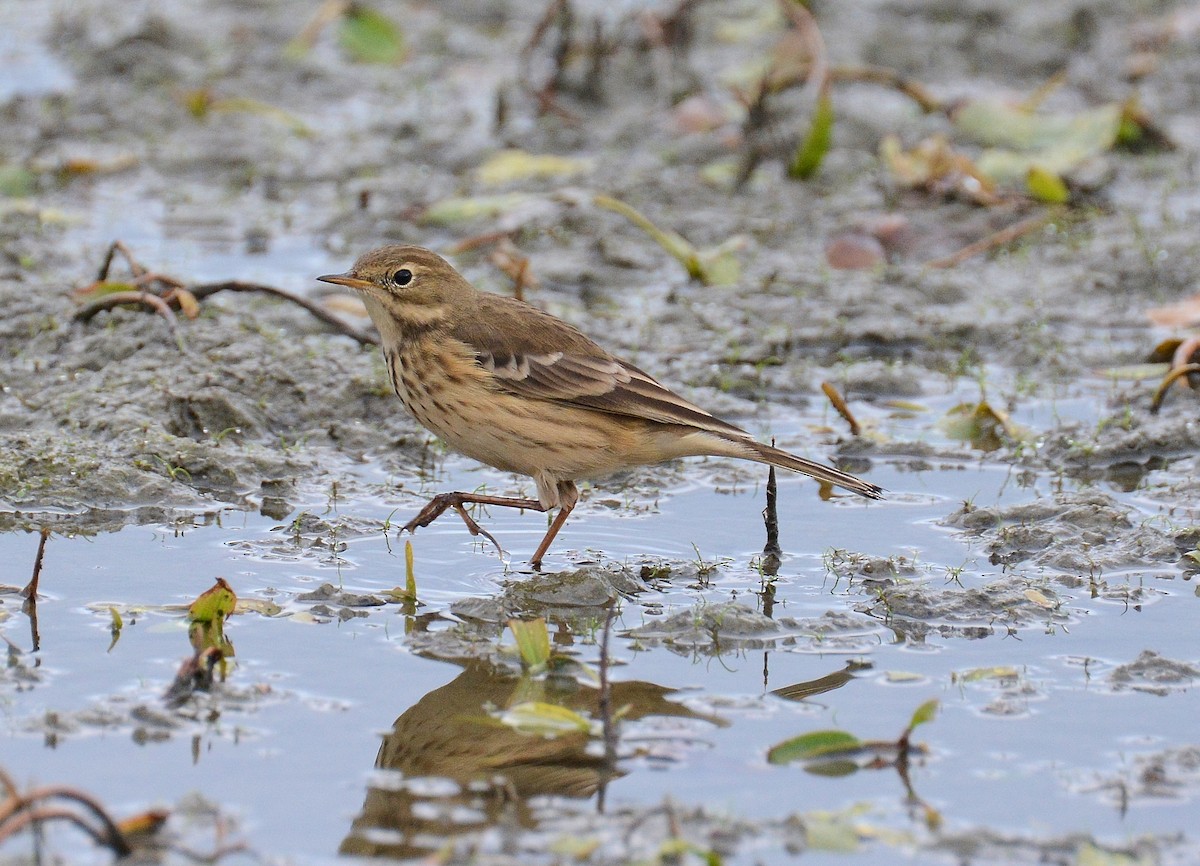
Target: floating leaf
1039,598
215,603
997,672
512,165
543,719
262,606
981,424
533,641
813,745
815,145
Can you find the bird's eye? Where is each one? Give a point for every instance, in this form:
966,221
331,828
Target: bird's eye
402,277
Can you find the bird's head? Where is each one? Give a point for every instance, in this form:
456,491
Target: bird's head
412,284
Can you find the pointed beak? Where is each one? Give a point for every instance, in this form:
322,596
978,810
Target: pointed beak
348,280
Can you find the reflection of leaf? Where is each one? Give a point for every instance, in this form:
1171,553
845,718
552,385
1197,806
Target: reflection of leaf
814,745
533,641
371,37
543,719
514,165
815,145
981,424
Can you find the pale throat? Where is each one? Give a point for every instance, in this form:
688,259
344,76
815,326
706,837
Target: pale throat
388,316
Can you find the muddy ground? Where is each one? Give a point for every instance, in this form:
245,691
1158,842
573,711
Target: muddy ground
114,420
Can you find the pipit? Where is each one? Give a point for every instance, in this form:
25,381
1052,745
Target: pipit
518,389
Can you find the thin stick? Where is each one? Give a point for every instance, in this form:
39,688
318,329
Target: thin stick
839,403
206,289
31,589
993,241
772,552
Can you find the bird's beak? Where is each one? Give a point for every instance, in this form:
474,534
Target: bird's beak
348,280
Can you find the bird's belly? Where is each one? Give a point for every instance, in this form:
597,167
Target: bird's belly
529,437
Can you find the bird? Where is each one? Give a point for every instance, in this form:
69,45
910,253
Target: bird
517,388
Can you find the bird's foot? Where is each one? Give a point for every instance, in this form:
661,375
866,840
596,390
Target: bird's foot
438,506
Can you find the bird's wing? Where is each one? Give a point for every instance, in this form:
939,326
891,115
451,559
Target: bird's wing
602,383
533,354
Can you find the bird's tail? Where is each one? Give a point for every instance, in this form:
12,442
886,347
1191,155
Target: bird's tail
821,472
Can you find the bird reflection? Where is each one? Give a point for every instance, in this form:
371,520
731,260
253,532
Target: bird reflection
455,770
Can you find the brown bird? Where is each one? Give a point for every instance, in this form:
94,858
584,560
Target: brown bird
523,391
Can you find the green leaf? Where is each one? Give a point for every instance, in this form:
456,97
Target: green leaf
533,641
214,604
1045,185
371,37
815,145
815,744
924,713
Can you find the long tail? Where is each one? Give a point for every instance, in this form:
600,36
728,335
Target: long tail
821,472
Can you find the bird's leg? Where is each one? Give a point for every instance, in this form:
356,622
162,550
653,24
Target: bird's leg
443,501
568,495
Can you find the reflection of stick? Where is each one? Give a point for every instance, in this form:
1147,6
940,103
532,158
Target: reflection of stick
1005,236
840,405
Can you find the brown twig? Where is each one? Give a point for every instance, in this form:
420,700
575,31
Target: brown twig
772,552
178,293
206,289
1160,393
31,588
19,810
1014,232
119,247
914,90
839,403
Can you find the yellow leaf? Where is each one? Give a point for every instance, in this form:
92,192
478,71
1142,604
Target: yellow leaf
1045,185
515,165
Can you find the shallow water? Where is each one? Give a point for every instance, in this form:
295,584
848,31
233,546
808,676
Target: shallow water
292,747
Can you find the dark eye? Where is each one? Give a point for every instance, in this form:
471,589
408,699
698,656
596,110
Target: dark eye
402,277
